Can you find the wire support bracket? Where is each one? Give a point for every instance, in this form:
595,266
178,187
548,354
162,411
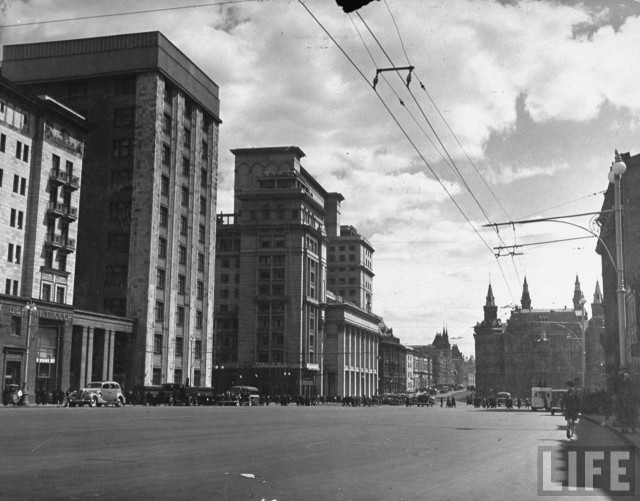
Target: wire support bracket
395,68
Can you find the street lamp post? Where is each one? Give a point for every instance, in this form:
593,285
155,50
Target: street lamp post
31,308
618,168
584,346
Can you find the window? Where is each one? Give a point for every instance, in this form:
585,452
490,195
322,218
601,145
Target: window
162,248
157,376
62,262
200,290
184,225
16,326
1,176
186,166
180,315
18,149
20,219
12,218
182,255
164,186
166,154
159,311
200,261
60,295
196,378
198,347
7,286
205,150
15,287
185,196
46,292
166,124
157,344
3,142
122,148
25,153
182,284
203,178
164,216
160,278
16,183
202,231
10,254
203,206
177,376
198,320
179,346
48,259
186,138
23,186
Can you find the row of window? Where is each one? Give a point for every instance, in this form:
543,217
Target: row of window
161,275
16,220
11,287
14,254
158,340
14,116
47,290
177,376
19,183
180,315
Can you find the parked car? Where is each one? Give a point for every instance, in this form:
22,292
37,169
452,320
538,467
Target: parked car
502,398
425,400
98,394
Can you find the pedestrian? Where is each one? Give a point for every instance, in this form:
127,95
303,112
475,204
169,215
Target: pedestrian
571,409
441,401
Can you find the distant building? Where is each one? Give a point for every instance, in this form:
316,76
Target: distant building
537,347
146,238
392,363
279,325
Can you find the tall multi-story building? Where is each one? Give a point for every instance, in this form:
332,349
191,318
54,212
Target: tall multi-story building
42,148
146,240
271,275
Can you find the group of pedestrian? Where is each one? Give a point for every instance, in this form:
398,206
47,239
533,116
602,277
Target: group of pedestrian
451,402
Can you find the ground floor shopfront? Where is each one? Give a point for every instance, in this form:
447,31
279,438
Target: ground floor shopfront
47,348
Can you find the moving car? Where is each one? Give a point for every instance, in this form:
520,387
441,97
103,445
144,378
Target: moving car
502,398
540,398
98,394
245,395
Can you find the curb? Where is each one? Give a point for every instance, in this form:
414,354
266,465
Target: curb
598,421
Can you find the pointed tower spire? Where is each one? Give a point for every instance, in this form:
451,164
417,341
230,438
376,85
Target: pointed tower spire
577,295
490,308
526,299
597,307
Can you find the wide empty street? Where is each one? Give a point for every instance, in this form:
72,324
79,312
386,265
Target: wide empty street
326,452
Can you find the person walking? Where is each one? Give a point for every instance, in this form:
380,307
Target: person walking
571,410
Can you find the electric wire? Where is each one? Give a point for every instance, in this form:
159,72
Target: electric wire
452,162
115,14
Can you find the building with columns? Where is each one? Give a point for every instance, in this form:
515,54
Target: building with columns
146,238
42,147
277,325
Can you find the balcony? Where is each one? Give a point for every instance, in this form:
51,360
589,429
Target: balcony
62,210
58,178
60,242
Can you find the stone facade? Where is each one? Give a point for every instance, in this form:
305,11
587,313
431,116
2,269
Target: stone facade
147,237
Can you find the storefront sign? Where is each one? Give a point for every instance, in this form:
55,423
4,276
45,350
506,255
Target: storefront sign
14,309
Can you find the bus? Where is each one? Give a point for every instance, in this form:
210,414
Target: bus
540,398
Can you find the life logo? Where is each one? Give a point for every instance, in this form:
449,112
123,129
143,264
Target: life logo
575,470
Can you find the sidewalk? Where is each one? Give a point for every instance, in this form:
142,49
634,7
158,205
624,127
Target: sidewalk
632,438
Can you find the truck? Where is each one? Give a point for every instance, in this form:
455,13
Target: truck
540,398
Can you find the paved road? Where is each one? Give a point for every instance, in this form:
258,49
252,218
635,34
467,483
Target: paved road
282,453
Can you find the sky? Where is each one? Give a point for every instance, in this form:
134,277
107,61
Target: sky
513,111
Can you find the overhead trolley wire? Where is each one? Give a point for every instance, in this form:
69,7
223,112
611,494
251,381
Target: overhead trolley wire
395,119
